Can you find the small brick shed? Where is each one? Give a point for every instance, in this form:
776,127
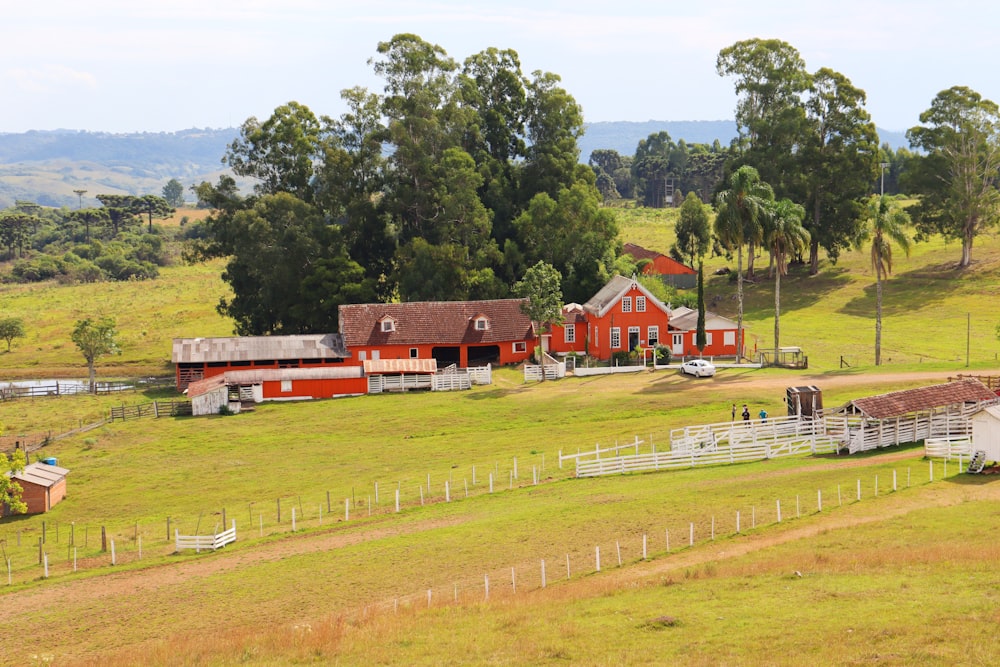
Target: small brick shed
42,486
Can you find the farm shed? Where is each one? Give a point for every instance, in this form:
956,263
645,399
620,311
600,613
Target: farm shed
241,389
671,271
986,432
198,358
42,486
936,411
463,333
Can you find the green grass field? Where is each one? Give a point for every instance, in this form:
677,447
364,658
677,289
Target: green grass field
904,576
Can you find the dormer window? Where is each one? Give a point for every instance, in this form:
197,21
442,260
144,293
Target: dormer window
481,323
387,324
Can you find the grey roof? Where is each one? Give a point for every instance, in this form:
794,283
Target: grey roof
252,348
41,474
612,292
683,318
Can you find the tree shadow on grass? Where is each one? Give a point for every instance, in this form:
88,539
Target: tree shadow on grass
799,290
908,291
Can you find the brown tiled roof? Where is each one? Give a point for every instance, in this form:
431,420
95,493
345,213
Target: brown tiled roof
434,322
899,403
639,252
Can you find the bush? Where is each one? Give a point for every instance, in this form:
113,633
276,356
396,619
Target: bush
620,358
663,355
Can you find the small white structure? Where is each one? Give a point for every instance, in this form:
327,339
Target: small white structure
986,432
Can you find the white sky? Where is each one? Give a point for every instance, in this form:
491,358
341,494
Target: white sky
153,65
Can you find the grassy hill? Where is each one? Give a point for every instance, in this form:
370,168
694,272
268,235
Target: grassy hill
903,576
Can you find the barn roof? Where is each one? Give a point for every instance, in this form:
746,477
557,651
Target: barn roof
41,474
612,293
260,375
250,348
899,403
435,322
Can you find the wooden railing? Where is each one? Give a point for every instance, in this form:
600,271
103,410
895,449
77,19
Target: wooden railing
154,409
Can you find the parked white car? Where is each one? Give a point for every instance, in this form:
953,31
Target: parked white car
698,368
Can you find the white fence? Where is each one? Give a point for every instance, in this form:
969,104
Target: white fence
948,448
449,379
553,371
199,542
860,435
715,444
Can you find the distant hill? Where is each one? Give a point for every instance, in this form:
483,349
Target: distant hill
624,136
47,167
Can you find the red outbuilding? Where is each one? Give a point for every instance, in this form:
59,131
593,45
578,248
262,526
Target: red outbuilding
669,269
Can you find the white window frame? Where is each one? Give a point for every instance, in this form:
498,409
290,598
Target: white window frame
388,325
362,355
482,324
637,332
520,346
653,335
616,338
708,338
729,338
286,386
640,304
414,353
569,333
626,304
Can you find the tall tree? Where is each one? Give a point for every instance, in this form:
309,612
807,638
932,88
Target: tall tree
838,160
700,336
152,207
957,177
95,339
541,287
173,193
692,230
885,224
770,76
738,222
279,154
785,237
121,213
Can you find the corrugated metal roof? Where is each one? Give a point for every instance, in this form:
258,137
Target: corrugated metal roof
434,322
613,291
377,366
683,318
899,403
251,348
259,376
41,474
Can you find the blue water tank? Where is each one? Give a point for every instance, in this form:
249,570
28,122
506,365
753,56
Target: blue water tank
51,461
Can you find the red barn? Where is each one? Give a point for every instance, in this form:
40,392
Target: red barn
464,333
623,315
198,358
673,272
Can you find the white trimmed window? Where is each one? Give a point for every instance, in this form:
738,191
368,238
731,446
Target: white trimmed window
708,338
569,333
616,338
640,304
414,353
362,355
626,304
653,335
729,338
482,324
286,386
520,346
388,324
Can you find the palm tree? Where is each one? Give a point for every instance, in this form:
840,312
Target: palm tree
884,223
784,236
740,210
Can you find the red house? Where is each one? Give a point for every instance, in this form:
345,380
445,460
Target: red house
720,334
623,315
464,333
673,272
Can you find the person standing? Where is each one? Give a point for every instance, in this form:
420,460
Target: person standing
746,413
763,415
734,413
